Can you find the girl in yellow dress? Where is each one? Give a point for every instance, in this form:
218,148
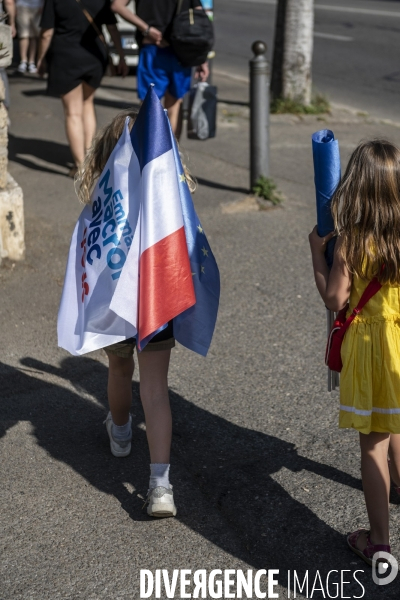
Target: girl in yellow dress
366,211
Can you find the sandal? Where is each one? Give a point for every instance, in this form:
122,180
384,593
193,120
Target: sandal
369,550
397,488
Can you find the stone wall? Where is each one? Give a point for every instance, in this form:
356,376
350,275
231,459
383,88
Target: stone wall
12,244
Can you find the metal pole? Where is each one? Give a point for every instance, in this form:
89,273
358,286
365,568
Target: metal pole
333,377
328,330
259,113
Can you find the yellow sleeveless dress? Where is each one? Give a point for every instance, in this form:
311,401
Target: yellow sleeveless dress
370,378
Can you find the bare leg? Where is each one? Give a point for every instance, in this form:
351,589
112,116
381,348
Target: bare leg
89,115
73,110
153,368
376,485
32,49
120,387
173,106
394,454
23,49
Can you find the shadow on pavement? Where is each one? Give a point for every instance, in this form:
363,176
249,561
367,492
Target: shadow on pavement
121,89
233,102
221,186
30,151
121,104
222,473
113,103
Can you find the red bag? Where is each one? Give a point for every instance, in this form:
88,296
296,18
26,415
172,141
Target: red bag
333,358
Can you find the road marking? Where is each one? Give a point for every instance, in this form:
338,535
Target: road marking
347,9
231,75
360,11
331,36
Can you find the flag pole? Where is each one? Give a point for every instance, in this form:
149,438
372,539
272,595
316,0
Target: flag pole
328,329
333,377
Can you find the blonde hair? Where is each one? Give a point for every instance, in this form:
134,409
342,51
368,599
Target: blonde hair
99,152
366,212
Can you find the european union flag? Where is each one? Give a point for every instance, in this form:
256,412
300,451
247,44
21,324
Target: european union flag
194,327
327,177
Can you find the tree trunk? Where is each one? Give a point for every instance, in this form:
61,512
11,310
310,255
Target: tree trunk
291,71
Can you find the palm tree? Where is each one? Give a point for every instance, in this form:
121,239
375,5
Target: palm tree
293,48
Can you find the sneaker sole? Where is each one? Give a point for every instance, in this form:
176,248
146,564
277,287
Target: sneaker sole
116,451
162,510
120,453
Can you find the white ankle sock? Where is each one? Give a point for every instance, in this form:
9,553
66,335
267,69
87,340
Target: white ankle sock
159,476
122,432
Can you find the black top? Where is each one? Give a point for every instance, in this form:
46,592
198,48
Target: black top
70,24
160,13
76,53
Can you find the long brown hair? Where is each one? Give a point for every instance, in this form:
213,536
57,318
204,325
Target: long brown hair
366,212
97,156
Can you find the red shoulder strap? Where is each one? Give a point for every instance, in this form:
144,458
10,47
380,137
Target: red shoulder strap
372,288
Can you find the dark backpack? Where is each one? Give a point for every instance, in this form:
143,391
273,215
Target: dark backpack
192,35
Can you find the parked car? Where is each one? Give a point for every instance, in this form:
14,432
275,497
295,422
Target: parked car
128,39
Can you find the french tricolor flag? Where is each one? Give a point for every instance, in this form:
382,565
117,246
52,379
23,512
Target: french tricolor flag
139,257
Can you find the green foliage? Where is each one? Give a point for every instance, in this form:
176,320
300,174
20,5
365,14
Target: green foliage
319,105
266,188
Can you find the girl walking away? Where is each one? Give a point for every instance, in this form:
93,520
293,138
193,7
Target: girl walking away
366,211
157,286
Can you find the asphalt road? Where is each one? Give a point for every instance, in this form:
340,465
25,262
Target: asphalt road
356,48
263,477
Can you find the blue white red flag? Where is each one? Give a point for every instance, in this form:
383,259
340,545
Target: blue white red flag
139,257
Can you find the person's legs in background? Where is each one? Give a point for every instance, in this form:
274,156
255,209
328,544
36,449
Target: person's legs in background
160,67
28,20
179,84
173,106
32,55
73,110
34,25
23,51
89,115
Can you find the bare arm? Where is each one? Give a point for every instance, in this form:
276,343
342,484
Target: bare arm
116,39
46,36
9,6
202,72
119,7
334,285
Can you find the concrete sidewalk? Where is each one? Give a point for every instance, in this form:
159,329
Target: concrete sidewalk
263,477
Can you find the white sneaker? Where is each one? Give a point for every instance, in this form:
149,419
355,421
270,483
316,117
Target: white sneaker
161,503
22,67
118,447
32,68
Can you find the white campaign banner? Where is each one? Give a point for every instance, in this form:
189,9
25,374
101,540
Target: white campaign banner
103,243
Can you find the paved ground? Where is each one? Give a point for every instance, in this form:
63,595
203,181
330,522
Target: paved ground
356,46
263,477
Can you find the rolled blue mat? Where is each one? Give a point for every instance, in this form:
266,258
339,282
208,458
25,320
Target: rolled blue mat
326,176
